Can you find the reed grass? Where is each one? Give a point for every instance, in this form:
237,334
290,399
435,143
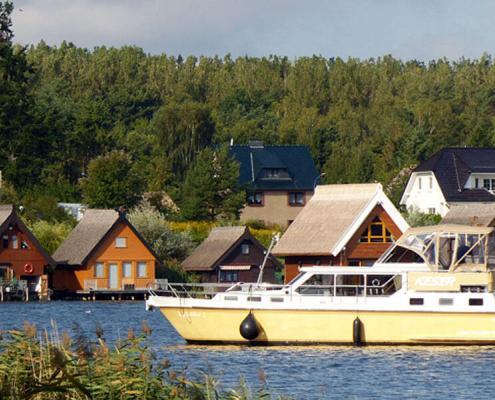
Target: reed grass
52,366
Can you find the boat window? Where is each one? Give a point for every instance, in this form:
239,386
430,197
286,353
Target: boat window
475,302
416,301
277,299
383,285
317,285
474,289
471,250
254,298
349,285
232,298
403,255
445,301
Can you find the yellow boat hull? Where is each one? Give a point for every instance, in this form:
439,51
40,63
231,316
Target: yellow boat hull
314,326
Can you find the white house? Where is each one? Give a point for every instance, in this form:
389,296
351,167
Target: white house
451,176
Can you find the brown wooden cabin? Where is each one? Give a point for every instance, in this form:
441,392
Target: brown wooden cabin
21,256
341,225
231,254
104,252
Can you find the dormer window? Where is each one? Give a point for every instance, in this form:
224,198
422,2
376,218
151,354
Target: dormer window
274,173
376,232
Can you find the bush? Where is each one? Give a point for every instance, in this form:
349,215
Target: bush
169,245
416,218
50,235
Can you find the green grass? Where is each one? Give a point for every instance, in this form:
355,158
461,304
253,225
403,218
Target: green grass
49,365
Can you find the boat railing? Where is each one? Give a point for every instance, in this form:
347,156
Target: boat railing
208,290
372,288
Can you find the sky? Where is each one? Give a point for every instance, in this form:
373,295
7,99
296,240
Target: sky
415,29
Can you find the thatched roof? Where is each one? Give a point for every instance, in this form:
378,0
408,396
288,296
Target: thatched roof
474,214
331,217
5,211
87,234
9,216
214,247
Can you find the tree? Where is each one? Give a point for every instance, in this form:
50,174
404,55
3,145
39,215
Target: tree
154,228
211,189
111,182
20,149
171,247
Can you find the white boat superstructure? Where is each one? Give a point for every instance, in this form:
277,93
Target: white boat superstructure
434,285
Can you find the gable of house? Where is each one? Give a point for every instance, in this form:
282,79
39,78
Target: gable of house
454,169
111,254
341,225
20,251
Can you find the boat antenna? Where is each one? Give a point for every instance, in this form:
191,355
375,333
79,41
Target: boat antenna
275,239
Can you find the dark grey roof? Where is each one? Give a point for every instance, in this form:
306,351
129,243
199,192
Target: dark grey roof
452,167
92,228
296,159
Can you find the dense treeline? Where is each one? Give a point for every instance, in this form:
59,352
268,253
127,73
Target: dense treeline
363,120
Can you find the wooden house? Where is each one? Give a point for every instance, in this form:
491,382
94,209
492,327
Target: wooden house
231,254
341,225
104,252
21,256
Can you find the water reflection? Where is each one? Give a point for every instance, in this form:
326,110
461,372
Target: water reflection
305,372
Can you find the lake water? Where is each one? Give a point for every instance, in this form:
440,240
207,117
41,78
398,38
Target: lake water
319,372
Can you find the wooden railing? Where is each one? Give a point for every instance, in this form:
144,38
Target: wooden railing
127,284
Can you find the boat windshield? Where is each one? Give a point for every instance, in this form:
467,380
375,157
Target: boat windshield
441,250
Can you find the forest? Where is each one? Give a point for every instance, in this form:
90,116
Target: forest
76,122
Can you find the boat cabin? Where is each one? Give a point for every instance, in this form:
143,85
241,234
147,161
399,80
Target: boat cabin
442,258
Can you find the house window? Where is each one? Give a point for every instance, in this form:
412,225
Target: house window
229,276
24,245
255,199
354,263
126,269
99,270
121,242
5,241
245,248
376,232
419,183
141,269
432,210
476,183
296,198
274,173
15,242
486,184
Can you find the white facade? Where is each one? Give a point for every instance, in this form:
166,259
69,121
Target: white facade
423,194
481,181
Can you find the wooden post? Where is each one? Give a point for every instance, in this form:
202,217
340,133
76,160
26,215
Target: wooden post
26,294
1,293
